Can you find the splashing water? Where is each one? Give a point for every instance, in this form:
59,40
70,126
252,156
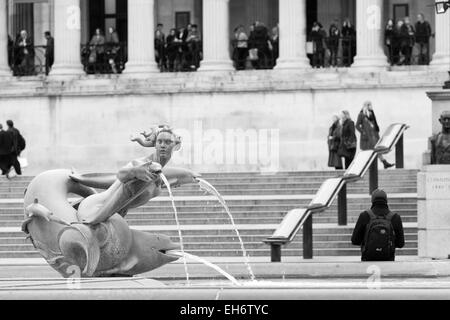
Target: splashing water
209,264
166,182
206,186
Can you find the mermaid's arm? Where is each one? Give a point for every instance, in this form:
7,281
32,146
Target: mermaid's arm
147,143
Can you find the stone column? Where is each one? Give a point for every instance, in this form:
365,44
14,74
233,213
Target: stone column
441,58
369,40
141,33
433,215
4,68
67,38
41,22
216,39
292,35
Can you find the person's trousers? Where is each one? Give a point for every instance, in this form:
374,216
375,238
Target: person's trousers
5,163
348,162
349,159
424,57
241,58
16,164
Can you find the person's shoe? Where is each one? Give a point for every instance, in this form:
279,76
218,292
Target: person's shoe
387,165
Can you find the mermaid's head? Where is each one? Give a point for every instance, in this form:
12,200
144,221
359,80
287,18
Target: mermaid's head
165,141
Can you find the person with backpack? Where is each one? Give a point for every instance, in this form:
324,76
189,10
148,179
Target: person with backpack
378,230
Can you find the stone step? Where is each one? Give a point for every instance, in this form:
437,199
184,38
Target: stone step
238,253
233,204
239,185
249,192
255,190
171,230
224,238
351,213
208,220
291,182
353,209
382,172
249,246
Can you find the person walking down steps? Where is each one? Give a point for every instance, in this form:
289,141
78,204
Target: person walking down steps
370,132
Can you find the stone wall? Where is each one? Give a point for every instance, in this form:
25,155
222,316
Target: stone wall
86,123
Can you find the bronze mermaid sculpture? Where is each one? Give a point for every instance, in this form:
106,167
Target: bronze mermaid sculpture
90,237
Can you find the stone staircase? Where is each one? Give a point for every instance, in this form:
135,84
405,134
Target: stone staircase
258,204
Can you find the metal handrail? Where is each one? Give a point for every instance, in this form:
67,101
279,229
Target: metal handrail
297,218
179,56
264,57
104,58
30,63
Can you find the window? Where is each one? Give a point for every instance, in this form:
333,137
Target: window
182,19
400,11
108,13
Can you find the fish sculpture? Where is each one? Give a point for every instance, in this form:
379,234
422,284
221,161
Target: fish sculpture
79,239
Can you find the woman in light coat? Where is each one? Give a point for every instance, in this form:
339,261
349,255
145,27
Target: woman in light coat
370,132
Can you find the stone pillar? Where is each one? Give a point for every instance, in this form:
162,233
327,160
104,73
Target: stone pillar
292,35
370,33
41,22
141,33
216,39
4,68
433,211
67,38
441,57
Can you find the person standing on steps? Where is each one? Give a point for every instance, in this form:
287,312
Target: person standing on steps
347,146
370,132
18,146
334,140
6,146
378,230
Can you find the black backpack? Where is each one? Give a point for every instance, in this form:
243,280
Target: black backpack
379,240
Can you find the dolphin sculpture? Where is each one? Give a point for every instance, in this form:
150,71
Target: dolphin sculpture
105,247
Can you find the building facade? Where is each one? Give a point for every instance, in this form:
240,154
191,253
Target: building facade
74,119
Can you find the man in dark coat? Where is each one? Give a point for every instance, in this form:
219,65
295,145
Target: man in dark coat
423,34
261,42
335,35
379,208
347,147
10,51
334,140
24,50
6,146
18,145
348,33
318,36
49,52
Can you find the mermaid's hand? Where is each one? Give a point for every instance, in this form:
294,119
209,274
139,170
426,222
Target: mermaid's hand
134,137
143,172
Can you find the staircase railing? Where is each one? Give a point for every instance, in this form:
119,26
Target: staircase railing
336,188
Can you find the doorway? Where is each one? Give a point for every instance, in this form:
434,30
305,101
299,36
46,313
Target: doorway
109,13
400,11
311,14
